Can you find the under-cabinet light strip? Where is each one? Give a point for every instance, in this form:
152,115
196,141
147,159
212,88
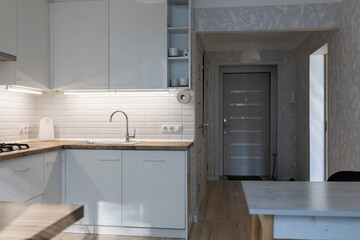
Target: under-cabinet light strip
24,90
120,93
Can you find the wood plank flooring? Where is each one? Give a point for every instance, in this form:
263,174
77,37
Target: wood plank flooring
223,216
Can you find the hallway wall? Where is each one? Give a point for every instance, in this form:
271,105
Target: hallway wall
344,94
287,76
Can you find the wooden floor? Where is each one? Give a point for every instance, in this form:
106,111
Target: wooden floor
223,216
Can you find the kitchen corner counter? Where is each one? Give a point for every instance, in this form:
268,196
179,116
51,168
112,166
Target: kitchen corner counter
36,221
40,147
145,145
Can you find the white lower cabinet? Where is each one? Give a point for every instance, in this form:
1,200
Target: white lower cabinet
93,178
52,177
154,189
21,179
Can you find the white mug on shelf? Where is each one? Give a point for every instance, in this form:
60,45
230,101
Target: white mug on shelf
174,82
183,82
174,52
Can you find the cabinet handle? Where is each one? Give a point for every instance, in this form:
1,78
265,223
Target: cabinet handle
154,161
52,162
17,170
108,160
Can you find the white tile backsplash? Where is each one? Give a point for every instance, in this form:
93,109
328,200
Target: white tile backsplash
87,116
17,109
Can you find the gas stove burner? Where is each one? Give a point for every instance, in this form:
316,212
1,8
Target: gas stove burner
10,147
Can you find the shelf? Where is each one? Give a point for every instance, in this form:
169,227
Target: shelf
178,30
179,88
178,59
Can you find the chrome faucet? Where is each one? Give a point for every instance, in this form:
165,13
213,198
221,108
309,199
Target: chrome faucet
127,125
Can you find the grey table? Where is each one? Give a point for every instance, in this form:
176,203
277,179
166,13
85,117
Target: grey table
304,210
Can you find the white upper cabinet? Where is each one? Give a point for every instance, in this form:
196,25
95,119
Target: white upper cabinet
138,39
8,26
33,44
81,39
25,32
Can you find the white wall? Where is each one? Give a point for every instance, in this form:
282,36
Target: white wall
237,3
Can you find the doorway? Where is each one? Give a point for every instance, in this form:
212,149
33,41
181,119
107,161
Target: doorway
249,120
318,114
246,124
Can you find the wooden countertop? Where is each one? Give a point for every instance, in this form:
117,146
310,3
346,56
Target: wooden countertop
20,221
40,147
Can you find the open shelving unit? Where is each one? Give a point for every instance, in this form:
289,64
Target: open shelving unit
179,36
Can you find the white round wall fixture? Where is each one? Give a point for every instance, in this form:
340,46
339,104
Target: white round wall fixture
183,97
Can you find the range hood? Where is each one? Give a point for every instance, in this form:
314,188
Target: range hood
7,57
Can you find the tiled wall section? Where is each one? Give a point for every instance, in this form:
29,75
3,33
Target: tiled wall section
17,109
87,116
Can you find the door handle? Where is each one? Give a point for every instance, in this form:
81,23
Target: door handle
52,162
204,125
18,170
108,160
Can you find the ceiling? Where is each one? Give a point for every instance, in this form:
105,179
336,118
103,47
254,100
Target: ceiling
237,41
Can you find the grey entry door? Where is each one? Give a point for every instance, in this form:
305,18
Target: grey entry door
246,124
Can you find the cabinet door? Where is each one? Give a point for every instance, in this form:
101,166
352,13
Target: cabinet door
52,177
8,26
154,189
81,44
138,39
33,44
93,178
21,179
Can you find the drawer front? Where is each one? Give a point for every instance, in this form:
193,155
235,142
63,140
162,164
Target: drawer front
21,179
154,189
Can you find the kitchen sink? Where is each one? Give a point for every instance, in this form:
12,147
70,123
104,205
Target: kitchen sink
112,142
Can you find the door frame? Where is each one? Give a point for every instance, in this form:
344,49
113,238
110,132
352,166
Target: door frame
235,67
326,55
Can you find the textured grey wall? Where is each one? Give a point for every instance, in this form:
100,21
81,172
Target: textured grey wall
287,76
276,17
344,119
344,94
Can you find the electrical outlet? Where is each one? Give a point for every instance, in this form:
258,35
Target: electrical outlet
172,128
27,128
179,128
165,129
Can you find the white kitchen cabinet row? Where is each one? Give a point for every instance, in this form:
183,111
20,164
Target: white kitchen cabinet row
24,32
109,44
35,178
123,192
128,188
